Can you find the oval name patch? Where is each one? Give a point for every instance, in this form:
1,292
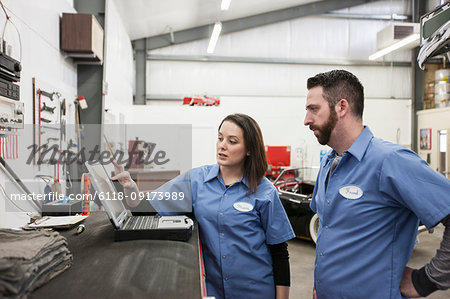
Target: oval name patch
351,192
243,206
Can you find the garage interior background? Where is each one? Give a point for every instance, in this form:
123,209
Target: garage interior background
260,71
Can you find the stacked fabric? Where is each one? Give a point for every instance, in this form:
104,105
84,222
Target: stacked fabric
28,259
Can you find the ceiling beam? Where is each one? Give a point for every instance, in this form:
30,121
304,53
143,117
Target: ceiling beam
374,17
202,32
215,58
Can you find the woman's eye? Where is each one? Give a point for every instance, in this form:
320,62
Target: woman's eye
232,142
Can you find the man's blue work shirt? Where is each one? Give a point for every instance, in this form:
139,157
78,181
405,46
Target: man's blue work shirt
235,229
369,214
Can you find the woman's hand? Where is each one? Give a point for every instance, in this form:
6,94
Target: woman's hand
129,186
282,292
122,176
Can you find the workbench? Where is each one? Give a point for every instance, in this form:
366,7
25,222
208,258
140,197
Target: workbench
103,268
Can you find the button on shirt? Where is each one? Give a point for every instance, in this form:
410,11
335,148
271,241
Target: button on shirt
369,214
234,232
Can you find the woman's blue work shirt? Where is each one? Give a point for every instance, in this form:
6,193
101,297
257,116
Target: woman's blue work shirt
234,232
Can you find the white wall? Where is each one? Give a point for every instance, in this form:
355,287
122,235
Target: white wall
171,79
38,24
280,118
436,120
311,39
274,94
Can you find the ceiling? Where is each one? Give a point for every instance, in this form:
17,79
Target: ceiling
145,18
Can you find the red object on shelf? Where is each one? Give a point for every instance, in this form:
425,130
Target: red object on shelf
201,100
278,157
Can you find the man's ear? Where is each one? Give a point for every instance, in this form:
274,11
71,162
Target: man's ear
342,108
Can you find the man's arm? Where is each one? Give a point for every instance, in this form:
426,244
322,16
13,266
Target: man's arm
433,276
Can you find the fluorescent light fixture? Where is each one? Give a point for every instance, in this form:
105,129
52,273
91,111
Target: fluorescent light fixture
214,37
225,4
411,40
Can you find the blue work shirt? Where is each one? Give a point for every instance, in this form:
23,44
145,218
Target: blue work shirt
369,214
235,229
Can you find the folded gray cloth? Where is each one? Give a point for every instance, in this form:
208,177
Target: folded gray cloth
28,259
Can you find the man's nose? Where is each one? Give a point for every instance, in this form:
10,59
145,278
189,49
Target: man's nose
307,120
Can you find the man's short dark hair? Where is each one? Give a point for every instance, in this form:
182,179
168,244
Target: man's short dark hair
340,84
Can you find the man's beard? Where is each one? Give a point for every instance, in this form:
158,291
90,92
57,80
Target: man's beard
325,130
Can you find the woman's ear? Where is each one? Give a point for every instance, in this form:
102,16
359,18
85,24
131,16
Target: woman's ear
248,153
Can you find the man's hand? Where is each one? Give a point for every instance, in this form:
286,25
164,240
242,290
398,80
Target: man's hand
406,286
314,294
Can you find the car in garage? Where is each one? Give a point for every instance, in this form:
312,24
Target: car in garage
295,194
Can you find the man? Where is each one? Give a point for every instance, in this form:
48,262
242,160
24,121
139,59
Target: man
369,196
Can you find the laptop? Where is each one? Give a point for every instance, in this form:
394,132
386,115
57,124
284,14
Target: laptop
127,227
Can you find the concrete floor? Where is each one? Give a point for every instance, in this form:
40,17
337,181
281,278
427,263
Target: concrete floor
302,255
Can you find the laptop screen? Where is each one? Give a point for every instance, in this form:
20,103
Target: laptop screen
106,192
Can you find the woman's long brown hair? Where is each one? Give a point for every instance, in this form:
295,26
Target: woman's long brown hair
255,165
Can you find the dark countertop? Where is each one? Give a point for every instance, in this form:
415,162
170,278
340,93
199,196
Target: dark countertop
103,268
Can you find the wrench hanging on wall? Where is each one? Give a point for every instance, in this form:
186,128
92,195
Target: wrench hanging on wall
48,108
51,95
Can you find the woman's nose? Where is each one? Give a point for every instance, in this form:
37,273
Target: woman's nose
221,144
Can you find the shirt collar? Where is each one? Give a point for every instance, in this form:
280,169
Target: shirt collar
359,146
361,143
214,172
245,182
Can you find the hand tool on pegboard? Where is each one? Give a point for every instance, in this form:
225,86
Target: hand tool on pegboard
51,95
48,108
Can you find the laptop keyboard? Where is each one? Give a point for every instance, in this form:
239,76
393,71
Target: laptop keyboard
141,222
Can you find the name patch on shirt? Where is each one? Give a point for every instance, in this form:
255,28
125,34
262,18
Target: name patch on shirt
351,192
243,206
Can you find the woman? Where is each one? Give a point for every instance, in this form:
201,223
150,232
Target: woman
243,226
